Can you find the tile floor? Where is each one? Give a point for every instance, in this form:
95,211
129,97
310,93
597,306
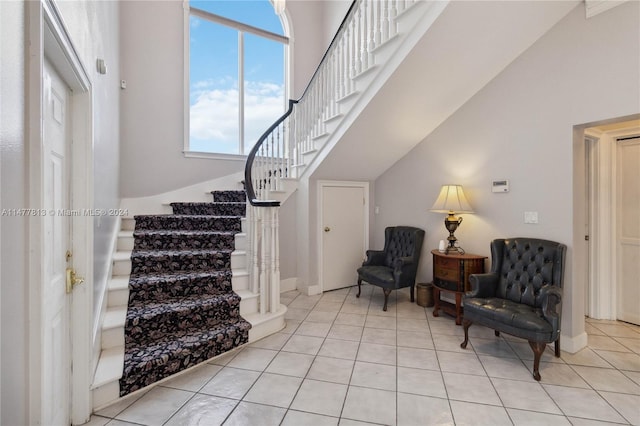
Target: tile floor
343,361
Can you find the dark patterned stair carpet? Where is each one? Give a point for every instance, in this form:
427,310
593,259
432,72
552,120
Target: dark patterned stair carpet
182,309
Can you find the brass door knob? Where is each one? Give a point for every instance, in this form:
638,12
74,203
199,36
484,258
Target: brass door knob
327,229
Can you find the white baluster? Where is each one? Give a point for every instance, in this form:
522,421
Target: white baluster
365,36
385,20
378,22
393,29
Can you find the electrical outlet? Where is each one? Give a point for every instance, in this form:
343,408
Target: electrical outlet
530,217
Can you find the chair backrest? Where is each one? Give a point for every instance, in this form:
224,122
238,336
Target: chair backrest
402,241
525,265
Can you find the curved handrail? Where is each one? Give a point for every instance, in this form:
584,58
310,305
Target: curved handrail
248,181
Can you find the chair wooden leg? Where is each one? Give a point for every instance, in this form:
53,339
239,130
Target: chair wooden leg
359,289
496,332
387,292
465,324
557,347
412,290
538,350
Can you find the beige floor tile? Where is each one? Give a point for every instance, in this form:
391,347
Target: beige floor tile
377,376
290,364
423,410
425,359
617,330
345,332
586,357
231,383
412,324
247,413
339,349
203,410
156,406
465,413
316,329
333,370
507,368
524,396
274,389
468,388
298,314
414,339
322,316
374,321
495,347
299,418
445,342
372,352
607,379
351,319
585,403
465,363
377,335
625,404
370,405
560,374
621,360
421,382
532,418
255,359
195,379
320,397
274,342
303,344
605,343
629,343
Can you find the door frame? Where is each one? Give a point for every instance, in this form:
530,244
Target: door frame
47,35
322,184
602,229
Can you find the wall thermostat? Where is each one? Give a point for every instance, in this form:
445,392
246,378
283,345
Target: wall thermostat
500,186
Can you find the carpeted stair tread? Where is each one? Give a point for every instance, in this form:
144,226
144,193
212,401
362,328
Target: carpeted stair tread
181,350
162,261
168,285
188,222
229,196
214,209
182,239
149,309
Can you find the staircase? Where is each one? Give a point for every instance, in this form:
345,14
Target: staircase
179,295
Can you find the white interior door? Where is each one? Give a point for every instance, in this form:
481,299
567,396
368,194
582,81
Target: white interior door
628,230
344,230
56,368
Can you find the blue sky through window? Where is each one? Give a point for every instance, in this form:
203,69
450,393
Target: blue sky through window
214,95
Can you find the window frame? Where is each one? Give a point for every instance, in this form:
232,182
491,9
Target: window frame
242,29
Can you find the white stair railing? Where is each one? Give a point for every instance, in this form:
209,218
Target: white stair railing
285,149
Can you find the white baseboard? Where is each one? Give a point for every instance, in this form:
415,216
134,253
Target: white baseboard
313,290
573,344
288,284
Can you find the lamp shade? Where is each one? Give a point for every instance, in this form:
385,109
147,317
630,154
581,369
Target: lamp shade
451,199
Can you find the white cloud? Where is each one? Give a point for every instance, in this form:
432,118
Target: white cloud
214,113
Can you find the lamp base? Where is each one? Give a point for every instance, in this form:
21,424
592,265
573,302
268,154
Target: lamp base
451,223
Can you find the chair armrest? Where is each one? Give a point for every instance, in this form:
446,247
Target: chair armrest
374,257
482,285
551,302
404,269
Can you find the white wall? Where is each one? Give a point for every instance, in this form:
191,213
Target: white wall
13,290
152,118
93,27
520,128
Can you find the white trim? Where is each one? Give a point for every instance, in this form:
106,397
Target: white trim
186,94
288,284
214,156
573,344
47,34
319,288
595,7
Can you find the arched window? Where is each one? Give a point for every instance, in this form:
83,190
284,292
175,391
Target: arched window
237,74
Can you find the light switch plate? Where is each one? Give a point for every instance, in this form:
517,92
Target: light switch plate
530,217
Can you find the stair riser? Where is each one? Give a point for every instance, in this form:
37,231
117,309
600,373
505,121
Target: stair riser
238,261
162,289
121,267
214,209
240,281
179,262
112,337
249,305
117,298
166,240
125,243
188,223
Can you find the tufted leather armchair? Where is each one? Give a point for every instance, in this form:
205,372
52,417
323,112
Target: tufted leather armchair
522,295
396,265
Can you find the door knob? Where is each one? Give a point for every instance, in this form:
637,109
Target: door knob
327,229
72,280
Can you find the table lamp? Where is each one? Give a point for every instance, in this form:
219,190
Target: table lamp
451,200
